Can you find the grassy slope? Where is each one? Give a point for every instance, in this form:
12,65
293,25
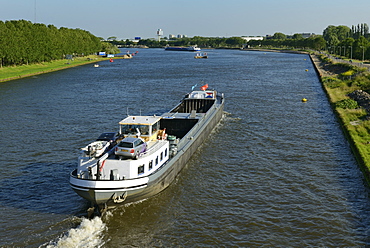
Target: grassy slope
354,124
15,72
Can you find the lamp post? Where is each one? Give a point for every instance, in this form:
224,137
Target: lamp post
344,51
363,53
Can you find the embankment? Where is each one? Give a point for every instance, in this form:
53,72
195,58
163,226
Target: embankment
359,148
17,72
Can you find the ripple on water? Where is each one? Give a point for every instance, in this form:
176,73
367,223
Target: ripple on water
275,173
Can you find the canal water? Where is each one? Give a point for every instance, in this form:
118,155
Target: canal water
276,172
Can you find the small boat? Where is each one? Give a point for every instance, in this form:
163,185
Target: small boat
201,56
149,153
127,56
96,65
189,48
95,149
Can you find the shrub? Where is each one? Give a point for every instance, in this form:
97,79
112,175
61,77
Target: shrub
362,81
348,73
332,82
347,104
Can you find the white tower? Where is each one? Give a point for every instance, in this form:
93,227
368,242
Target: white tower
159,34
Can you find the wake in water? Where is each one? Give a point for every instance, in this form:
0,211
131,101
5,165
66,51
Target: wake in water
87,234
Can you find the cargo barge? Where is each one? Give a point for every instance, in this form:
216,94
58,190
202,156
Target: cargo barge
189,49
147,153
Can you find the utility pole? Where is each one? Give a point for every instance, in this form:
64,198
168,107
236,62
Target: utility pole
35,12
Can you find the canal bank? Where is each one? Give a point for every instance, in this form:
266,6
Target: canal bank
17,72
354,123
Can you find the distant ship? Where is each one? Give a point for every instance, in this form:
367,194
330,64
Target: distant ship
189,49
201,56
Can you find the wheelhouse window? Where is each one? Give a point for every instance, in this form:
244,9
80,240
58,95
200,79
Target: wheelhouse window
140,169
156,160
161,156
132,129
165,153
155,127
150,164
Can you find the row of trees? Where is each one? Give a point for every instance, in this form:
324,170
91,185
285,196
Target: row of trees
340,40
296,41
214,42
23,42
349,42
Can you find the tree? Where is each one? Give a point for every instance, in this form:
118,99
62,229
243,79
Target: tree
235,41
22,42
297,36
360,48
319,43
279,36
347,44
333,35
343,32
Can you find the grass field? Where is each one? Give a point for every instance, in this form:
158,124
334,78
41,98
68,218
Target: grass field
15,72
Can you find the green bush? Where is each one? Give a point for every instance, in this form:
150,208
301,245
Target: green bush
347,104
362,81
348,73
332,82
325,59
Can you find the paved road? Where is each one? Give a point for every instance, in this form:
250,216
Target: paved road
338,60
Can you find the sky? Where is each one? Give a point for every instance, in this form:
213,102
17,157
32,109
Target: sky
126,19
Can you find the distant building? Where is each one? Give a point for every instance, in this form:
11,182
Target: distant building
248,38
304,35
179,36
307,35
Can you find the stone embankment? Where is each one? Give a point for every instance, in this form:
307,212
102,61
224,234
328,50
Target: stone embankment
362,98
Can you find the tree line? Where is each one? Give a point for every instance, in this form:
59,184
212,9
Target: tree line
205,42
353,43
296,41
348,42
340,40
23,42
